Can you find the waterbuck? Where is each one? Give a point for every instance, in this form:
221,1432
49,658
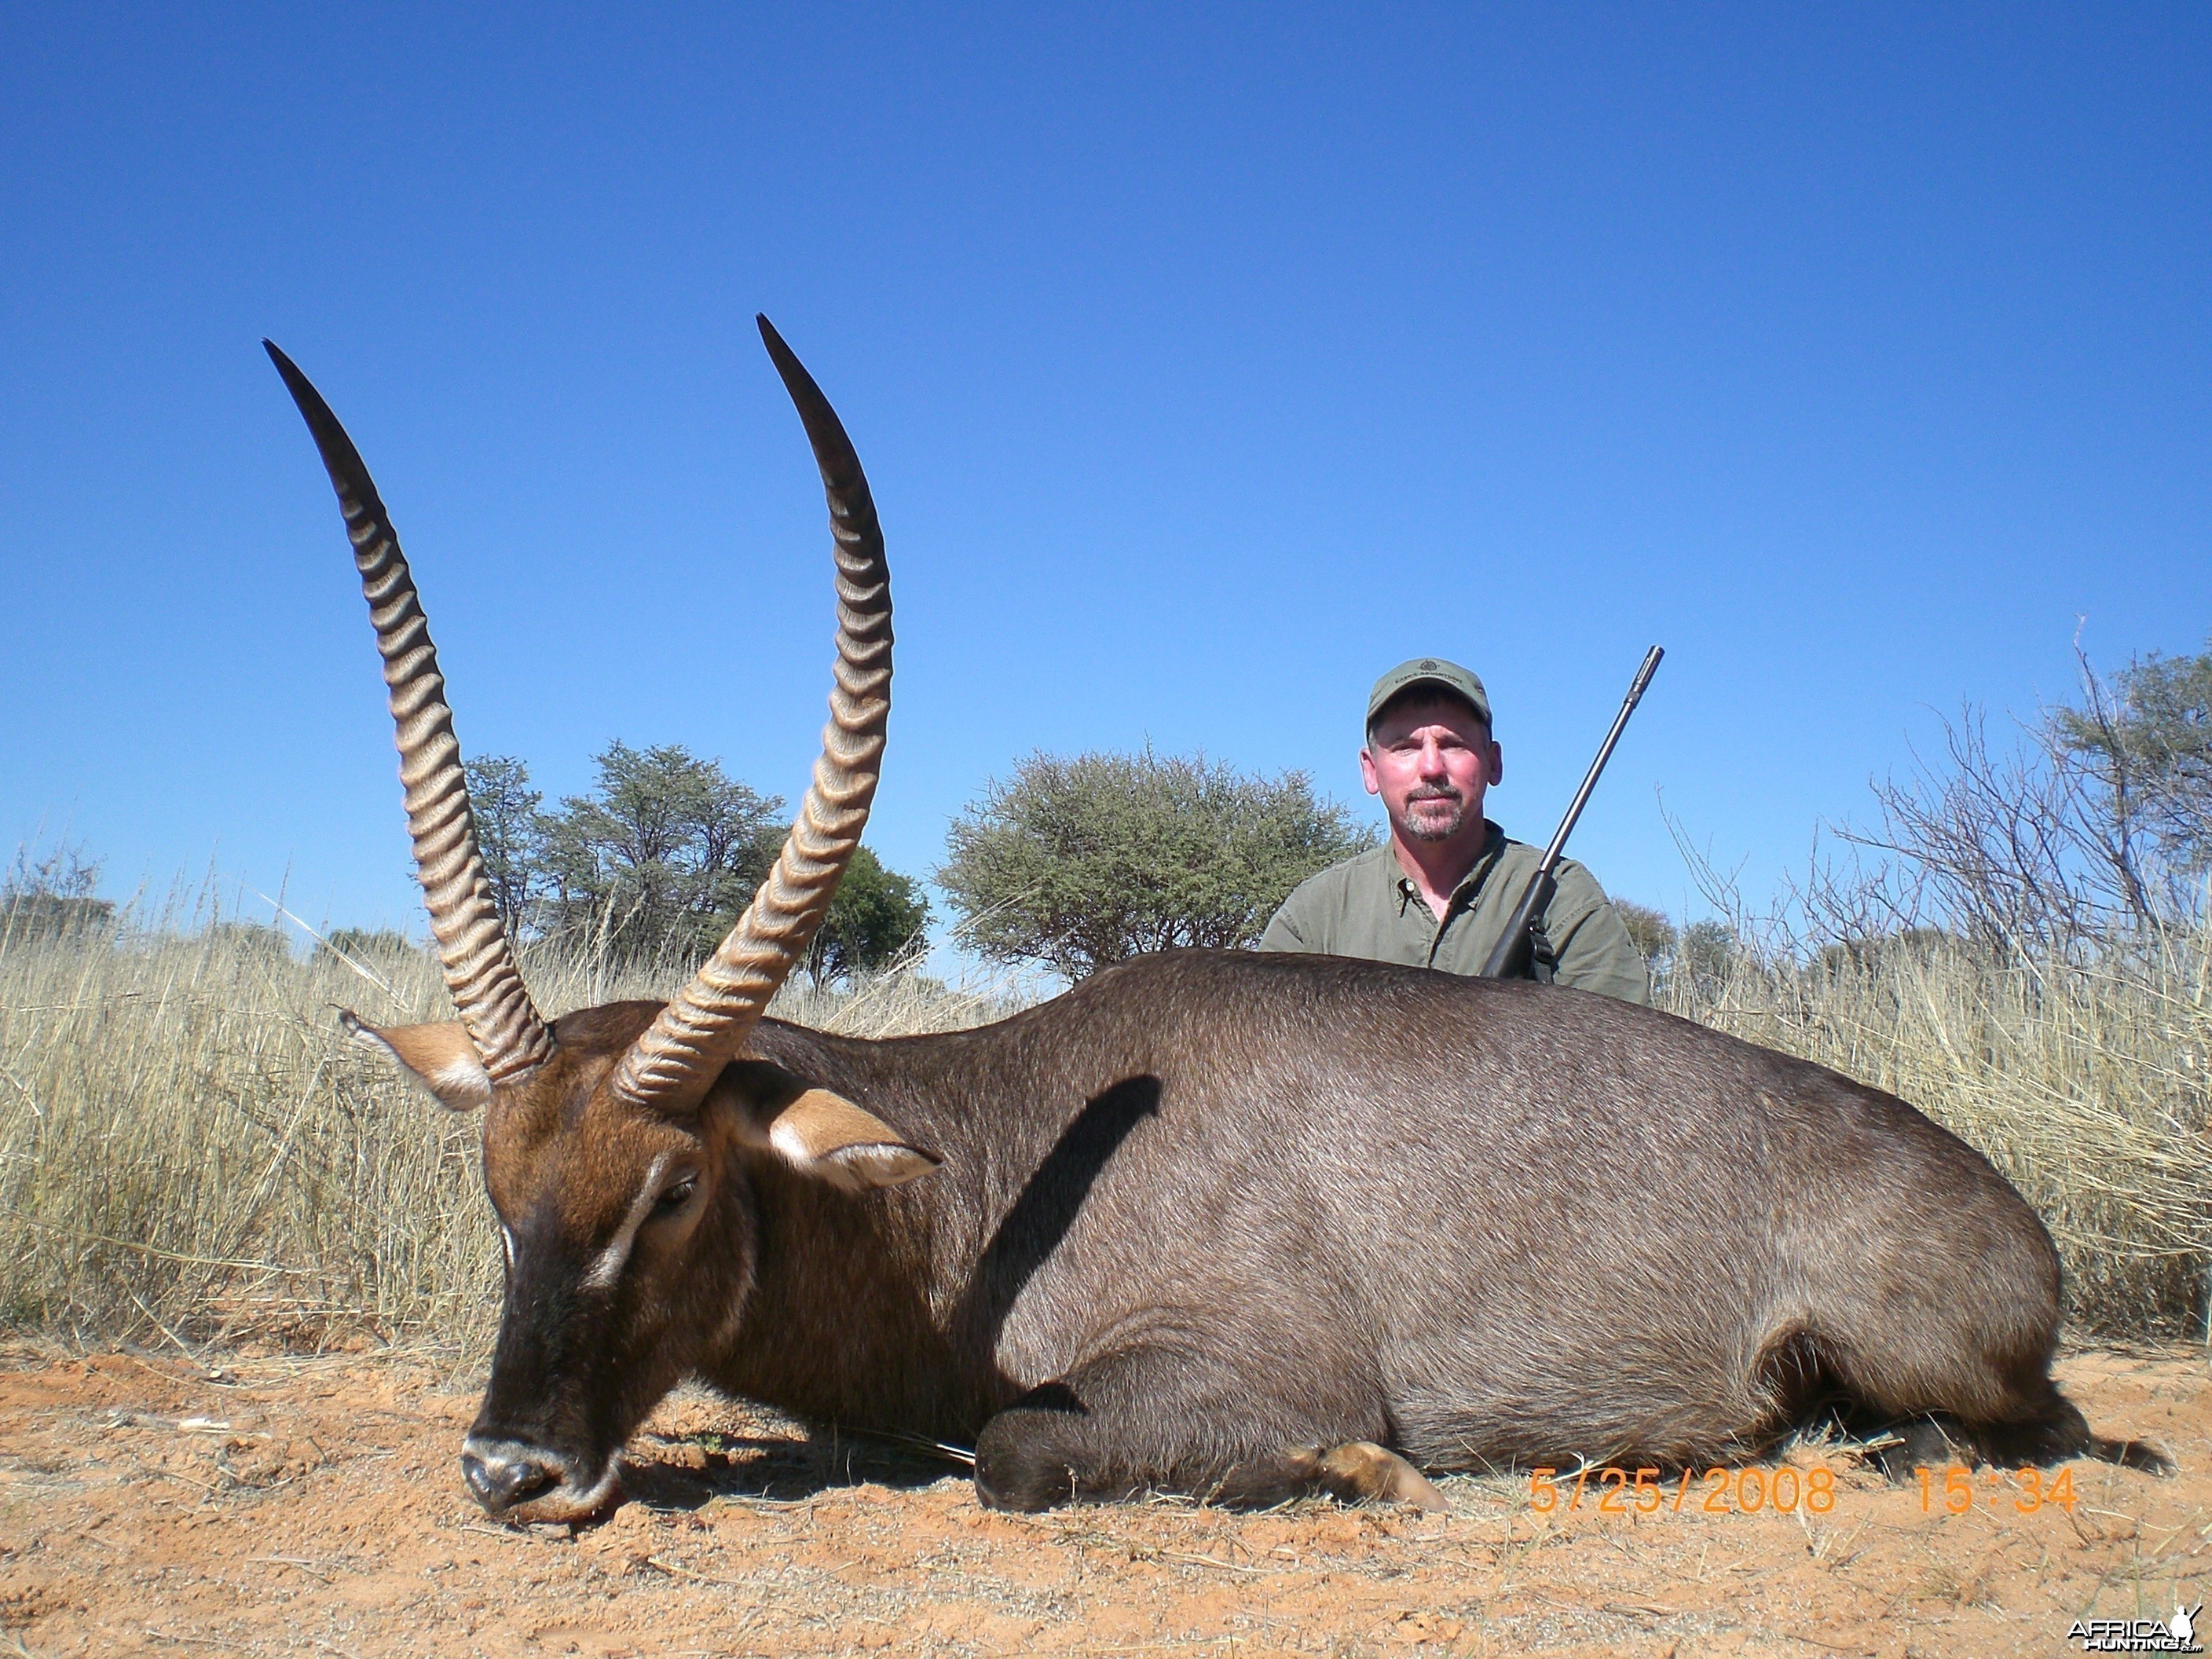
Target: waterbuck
1211,1222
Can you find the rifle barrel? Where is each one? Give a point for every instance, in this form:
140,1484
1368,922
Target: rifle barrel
1510,954
1635,688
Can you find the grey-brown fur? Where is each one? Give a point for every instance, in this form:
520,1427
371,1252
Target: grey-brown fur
1209,1206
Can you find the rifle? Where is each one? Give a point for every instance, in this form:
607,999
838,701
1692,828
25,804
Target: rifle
1510,958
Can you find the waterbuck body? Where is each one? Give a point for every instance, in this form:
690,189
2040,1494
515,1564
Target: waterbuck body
1215,1222
1211,1206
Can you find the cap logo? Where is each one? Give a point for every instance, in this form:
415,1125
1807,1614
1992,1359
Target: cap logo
1428,664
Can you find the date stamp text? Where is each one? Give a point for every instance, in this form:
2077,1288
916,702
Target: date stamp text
1785,1489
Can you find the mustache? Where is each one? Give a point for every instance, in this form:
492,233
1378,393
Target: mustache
1441,792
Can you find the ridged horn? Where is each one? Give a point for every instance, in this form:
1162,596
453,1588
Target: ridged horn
706,1025
480,969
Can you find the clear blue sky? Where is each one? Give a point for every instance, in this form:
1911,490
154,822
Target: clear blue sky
1205,361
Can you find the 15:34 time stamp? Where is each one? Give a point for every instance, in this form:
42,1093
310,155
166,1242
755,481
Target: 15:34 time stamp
1953,1490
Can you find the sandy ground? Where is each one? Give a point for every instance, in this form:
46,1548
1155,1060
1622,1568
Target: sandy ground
315,1507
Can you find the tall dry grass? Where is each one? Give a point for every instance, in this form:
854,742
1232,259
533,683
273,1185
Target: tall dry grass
2087,1084
191,1152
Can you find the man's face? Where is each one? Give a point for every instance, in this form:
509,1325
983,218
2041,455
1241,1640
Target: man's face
1431,760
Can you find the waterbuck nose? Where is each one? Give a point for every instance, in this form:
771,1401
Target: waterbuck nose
503,1476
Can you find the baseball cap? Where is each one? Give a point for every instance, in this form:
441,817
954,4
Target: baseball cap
1429,671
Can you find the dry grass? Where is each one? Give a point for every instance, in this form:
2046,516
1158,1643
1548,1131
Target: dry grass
191,1153
2087,1085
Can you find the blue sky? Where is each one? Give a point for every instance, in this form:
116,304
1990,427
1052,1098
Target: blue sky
1205,361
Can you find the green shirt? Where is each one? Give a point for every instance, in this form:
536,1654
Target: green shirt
1367,907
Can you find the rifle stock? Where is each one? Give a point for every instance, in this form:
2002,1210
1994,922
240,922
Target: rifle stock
1510,956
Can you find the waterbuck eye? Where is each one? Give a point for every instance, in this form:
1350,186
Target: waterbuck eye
675,1196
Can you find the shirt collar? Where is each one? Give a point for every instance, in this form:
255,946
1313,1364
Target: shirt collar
1470,885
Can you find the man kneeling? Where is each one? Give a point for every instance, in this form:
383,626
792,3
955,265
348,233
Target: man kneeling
1439,893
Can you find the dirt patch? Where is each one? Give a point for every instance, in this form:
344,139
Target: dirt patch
316,1508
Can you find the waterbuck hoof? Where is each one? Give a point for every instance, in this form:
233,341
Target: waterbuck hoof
1360,1471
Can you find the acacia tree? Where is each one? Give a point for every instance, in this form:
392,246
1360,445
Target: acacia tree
52,897
2098,823
663,852
2094,826
510,831
2147,739
1076,862
876,915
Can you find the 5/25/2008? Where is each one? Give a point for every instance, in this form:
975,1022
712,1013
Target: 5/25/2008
1622,1491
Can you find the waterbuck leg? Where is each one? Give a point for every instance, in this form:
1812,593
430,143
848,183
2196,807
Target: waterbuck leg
1356,1472
1040,1451
2061,1432
1178,1417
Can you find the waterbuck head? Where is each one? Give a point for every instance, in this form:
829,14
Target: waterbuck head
617,1139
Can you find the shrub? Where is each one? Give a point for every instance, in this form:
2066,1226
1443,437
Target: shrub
53,898
365,944
1076,862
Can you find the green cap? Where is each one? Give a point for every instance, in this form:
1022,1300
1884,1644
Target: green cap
1446,677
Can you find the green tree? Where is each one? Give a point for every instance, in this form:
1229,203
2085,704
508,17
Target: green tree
1868,953
877,914
2148,735
663,852
1706,952
364,944
510,830
1651,932
1075,863
242,939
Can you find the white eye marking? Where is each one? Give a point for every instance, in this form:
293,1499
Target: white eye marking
608,1268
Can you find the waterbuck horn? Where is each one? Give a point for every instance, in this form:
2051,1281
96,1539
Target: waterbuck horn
480,970
705,1026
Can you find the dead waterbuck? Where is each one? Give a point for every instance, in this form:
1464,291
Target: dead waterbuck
1209,1222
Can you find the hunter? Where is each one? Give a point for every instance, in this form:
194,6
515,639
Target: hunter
1438,892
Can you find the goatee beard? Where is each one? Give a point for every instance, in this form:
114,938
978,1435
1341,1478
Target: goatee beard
1421,830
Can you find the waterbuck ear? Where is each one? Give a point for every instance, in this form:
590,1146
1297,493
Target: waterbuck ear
827,1136
439,1057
